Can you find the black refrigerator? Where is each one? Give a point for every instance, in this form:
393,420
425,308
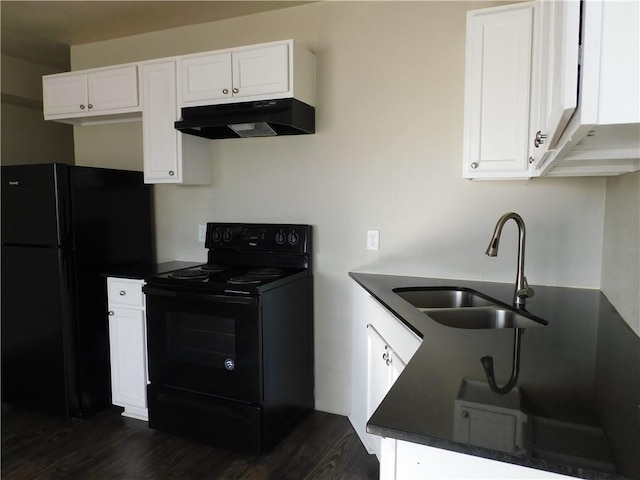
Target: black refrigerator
63,228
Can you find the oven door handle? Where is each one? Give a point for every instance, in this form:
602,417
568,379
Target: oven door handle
201,297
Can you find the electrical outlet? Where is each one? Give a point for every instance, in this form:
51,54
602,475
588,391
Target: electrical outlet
202,233
373,239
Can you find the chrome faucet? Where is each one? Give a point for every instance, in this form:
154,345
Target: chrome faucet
522,290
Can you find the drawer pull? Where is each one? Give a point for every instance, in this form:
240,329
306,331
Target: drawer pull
122,293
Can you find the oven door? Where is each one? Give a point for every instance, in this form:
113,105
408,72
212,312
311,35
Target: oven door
204,343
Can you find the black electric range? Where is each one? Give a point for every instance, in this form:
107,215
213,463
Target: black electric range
230,342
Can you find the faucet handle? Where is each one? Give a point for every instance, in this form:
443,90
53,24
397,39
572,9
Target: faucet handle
526,291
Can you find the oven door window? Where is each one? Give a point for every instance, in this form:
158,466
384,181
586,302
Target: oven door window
205,343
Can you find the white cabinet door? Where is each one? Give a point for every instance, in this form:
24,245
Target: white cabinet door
206,77
128,346
261,71
384,367
497,91
112,89
169,156
410,461
556,90
127,337
159,112
90,92
231,76
601,137
376,333
66,94
377,369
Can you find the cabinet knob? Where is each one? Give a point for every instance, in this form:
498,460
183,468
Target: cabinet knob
225,91
90,106
235,90
464,414
81,107
171,173
122,293
540,138
110,313
474,165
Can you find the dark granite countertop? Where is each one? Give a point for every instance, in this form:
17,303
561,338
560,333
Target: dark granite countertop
578,388
139,271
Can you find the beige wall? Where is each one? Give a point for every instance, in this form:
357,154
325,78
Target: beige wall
621,253
27,138
24,135
22,80
386,155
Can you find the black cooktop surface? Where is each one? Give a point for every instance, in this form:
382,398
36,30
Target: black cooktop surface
226,278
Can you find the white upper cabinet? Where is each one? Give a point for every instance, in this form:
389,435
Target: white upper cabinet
497,91
564,72
555,92
206,77
261,71
86,97
257,72
603,135
168,155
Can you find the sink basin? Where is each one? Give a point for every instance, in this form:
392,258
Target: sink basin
459,307
483,317
427,298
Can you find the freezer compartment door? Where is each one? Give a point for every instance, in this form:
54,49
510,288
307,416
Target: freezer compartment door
35,204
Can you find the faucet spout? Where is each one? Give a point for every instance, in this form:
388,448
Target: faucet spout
522,289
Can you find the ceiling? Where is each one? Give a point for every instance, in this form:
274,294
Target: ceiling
42,31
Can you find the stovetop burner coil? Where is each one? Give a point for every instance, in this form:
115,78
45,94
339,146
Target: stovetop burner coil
269,272
244,280
212,268
190,274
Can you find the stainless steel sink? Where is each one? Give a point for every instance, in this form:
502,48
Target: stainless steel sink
428,298
465,308
482,317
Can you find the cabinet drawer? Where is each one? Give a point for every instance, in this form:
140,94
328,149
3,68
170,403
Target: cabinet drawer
125,292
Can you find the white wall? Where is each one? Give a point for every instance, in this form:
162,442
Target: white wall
386,155
621,254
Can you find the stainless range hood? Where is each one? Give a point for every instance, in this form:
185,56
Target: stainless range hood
263,118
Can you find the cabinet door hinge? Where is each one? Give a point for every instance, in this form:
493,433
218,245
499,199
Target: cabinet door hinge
580,53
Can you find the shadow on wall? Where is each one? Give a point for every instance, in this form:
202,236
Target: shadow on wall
26,138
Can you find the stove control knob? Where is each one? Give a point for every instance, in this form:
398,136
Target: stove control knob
217,235
280,238
293,238
228,235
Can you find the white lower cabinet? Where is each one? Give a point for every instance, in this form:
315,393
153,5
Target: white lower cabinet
382,346
402,460
384,366
128,346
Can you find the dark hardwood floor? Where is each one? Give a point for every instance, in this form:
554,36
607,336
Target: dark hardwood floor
39,446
